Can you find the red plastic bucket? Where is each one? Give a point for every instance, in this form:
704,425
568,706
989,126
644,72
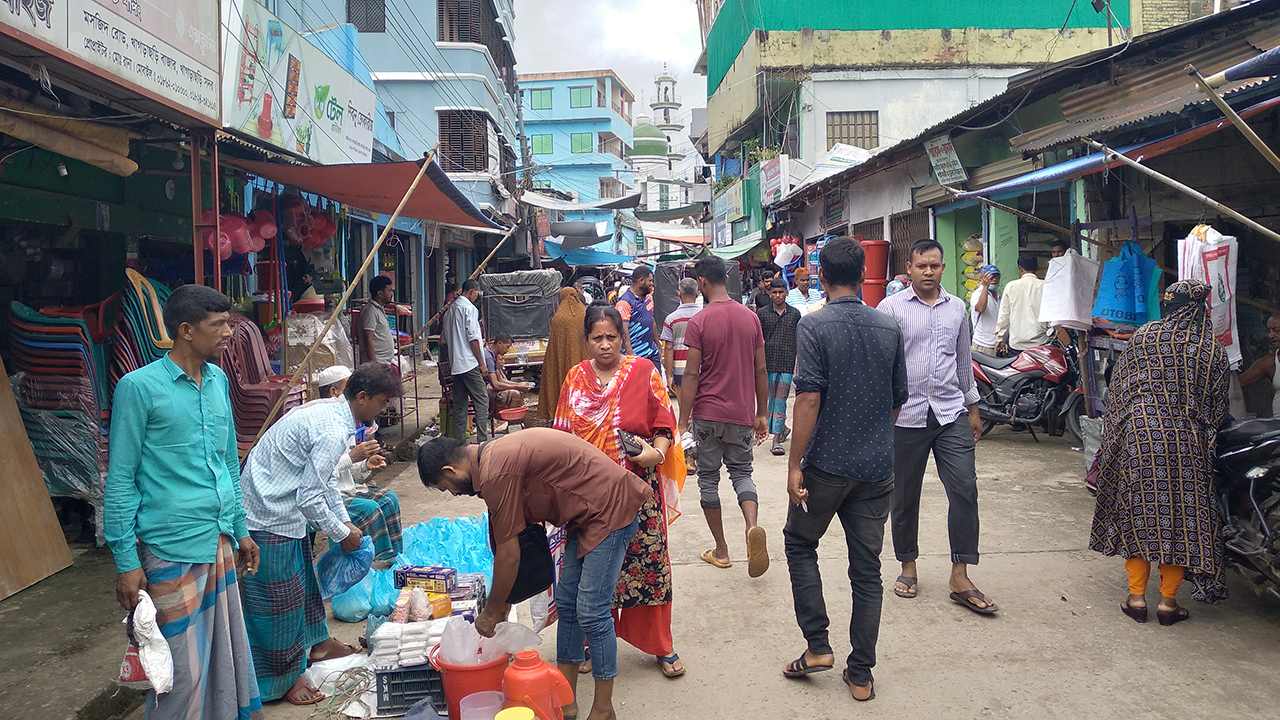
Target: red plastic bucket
873,291
463,680
877,259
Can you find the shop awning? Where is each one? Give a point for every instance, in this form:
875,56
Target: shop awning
1090,164
736,250
674,234
379,187
547,202
680,213
581,256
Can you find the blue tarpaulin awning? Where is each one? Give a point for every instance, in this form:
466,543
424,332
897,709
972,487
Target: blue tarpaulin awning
583,256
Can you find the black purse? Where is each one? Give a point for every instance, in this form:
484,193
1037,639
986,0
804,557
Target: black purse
537,568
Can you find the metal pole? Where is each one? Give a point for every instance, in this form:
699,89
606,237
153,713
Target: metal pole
351,286
197,210
1235,118
1187,190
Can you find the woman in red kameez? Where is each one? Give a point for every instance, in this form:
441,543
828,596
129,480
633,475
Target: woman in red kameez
605,393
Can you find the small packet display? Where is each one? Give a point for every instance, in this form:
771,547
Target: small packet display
400,611
386,646
441,605
419,605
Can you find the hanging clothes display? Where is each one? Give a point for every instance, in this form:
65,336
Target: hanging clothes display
1211,257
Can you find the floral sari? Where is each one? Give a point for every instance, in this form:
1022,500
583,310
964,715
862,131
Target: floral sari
634,400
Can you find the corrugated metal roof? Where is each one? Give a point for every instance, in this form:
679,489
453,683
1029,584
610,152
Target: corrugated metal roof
1162,89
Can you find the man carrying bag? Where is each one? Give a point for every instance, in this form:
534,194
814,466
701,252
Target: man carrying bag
542,475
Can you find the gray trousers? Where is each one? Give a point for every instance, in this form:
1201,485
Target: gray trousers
952,447
721,443
469,385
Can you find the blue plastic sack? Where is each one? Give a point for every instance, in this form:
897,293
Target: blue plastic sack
353,605
339,571
460,543
1128,290
382,599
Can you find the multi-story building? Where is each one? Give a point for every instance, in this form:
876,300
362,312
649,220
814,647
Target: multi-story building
445,72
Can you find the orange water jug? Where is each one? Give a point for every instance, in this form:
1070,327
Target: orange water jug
533,683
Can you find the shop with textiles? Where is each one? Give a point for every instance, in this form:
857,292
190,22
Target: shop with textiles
426,659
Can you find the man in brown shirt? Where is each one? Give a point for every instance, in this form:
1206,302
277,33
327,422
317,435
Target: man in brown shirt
542,475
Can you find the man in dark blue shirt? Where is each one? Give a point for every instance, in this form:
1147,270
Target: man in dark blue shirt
850,381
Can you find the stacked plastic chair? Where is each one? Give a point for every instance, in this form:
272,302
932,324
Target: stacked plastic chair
140,337
63,394
254,389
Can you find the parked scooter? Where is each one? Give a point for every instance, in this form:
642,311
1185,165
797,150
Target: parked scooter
1248,484
1039,387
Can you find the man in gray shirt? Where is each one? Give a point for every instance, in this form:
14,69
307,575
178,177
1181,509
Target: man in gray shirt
375,329
850,381
466,363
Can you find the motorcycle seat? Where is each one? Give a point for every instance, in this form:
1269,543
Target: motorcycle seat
990,361
1248,432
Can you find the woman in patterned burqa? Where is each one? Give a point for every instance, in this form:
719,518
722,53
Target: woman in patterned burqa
1167,398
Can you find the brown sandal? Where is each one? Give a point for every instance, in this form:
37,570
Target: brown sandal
1139,614
1170,617
316,698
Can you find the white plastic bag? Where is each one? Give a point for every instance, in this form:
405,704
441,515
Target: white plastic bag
152,650
325,675
543,605
462,644
1211,257
1069,289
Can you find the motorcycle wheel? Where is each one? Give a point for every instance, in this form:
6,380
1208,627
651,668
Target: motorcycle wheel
988,393
1073,422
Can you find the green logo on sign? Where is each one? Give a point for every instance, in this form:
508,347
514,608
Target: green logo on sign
322,95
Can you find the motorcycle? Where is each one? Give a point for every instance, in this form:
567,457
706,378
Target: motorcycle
1038,387
1247,467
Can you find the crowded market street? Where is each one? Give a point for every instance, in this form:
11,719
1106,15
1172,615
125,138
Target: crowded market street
1058,648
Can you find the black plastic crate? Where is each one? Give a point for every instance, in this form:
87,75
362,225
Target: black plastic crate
399,690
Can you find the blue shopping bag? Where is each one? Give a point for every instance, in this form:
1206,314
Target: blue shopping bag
1127,292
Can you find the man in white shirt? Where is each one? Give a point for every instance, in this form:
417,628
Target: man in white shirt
984,311
1019,327
801,296
466,363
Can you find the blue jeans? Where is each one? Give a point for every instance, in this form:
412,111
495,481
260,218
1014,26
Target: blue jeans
584,602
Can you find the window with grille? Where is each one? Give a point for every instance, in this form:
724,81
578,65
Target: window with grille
475,21
581,142
859,129
540,99
542,144
606,188
580,97
369,16
464,141
391,119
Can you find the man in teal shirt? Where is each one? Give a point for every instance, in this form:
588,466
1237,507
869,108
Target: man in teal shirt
173,511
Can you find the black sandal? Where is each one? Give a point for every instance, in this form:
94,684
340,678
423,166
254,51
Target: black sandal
1139,614
962,598
1169,617
845,676
910,582
800,668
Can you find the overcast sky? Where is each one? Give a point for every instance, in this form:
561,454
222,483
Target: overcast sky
631,37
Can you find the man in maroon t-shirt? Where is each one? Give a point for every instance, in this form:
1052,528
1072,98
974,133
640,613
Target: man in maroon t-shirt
726,391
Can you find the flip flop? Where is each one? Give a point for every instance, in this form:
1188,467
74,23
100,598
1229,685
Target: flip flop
800,668
910,582
709,556
757,552
962,598
671,659
844,675
318,697
778,450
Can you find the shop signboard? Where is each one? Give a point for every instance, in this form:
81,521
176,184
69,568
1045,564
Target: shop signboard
284,91
734,207
169,50
835,209
946,163
720,233
775,179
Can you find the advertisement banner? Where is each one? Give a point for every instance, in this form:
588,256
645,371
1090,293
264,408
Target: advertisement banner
775,180
734,207
835,211
946,163
169,50
279,88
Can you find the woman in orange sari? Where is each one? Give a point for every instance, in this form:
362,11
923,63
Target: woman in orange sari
606,393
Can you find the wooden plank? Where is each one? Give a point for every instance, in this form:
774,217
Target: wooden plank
32,546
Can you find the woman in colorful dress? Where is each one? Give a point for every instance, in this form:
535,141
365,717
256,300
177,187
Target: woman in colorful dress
606,393
1155,469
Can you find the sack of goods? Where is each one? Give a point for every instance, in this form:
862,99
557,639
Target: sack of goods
1209,256
1069,289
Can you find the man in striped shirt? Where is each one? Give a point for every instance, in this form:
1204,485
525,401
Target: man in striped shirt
675,353
941,415
802,297
286,487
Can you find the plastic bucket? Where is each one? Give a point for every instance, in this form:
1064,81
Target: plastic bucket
482,705
463,680
873,291
877,259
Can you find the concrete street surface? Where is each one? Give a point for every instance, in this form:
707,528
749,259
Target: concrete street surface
1059,646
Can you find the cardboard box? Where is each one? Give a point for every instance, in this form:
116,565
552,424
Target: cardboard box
432,578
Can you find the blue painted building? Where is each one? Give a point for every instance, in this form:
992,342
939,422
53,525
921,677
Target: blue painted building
578,126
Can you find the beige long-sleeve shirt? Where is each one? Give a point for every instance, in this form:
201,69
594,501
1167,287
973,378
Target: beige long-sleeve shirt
1020,314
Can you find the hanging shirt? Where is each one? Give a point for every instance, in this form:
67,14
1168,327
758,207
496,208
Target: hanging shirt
173,478
638,314
1020,313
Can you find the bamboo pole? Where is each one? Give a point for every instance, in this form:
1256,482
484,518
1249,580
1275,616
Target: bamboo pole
1235,118
474,274
1185,189
351,286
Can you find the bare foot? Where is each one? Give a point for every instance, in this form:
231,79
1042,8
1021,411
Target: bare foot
1140,601
570,710
602,714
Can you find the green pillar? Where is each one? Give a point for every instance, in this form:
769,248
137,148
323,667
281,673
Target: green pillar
1002,243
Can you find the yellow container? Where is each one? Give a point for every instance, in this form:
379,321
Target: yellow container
515,713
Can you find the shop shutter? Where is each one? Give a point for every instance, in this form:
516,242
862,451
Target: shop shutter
869,229
906,228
